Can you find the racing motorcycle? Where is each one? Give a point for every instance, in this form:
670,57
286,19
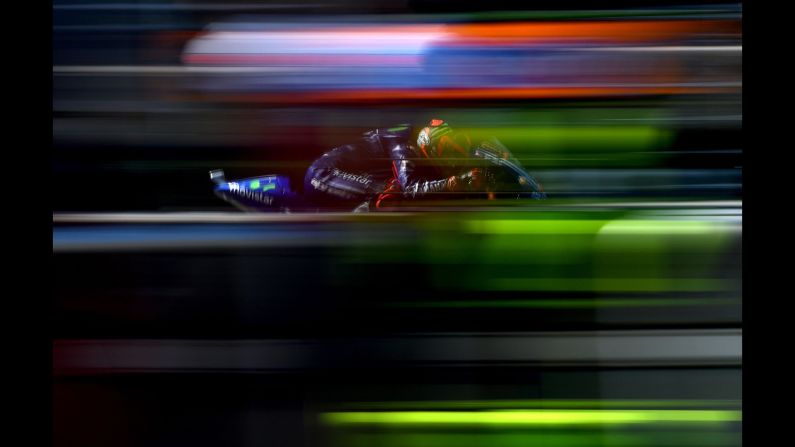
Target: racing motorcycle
272,193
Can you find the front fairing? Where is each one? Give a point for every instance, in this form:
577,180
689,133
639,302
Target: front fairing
263,193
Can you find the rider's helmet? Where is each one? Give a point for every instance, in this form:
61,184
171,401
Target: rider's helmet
439,140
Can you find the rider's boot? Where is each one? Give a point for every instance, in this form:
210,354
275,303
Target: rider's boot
363,208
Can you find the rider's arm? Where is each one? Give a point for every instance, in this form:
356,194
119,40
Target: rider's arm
414,185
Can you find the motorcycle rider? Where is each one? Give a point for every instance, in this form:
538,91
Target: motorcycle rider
384,166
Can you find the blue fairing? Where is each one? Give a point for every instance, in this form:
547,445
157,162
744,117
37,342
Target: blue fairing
267,193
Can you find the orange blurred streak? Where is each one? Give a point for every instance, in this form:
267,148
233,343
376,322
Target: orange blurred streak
612,30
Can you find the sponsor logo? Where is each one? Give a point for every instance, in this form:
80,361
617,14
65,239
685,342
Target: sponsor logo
318,185
363,179
257,196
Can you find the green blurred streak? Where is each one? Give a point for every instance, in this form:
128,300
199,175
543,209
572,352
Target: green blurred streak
542,403
544,439
609,145
605,284
571,303
531,417
545,226
581,226
609,114
558,252
676,255
663,227
550,138
565,251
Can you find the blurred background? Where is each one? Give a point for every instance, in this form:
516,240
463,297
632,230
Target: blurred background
608,315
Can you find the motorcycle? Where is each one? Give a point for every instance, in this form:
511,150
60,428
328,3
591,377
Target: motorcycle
273,193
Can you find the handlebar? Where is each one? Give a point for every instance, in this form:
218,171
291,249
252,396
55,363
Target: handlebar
498,155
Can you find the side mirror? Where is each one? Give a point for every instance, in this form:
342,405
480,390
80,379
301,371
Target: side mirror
217,176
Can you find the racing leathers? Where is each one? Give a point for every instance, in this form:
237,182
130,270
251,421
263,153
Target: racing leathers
381,165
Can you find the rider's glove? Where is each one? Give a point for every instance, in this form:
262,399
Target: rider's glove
472,180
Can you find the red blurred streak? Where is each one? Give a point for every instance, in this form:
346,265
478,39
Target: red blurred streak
395,95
